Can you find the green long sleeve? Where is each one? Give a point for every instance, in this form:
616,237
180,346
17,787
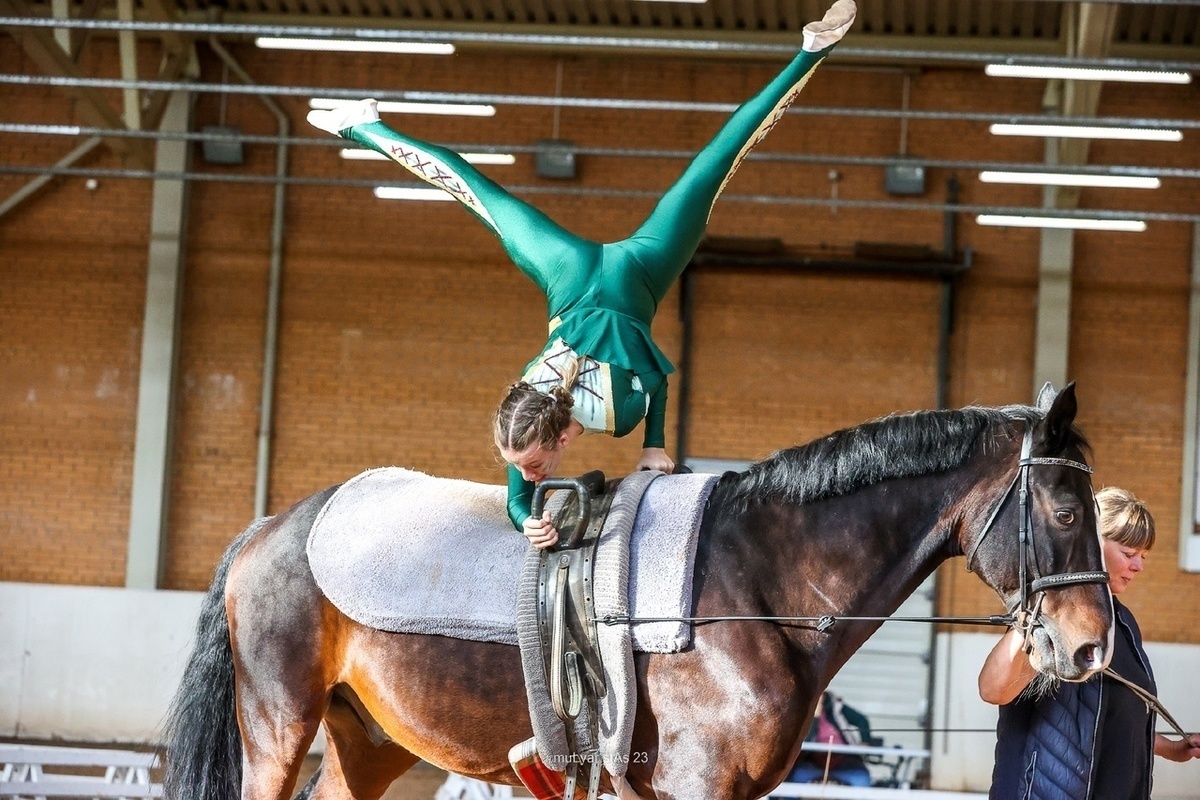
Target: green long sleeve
520,497
656,418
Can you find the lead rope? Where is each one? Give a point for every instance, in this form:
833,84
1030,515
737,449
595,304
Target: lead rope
1152,702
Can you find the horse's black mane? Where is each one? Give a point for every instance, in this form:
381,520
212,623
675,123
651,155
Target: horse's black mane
896,446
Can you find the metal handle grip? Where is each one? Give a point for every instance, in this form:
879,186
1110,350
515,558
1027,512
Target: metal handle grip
585,504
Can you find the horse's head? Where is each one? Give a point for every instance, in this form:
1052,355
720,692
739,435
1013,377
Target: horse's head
1041,548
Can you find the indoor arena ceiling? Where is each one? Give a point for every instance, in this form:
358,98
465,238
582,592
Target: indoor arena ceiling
1142,35
1141,30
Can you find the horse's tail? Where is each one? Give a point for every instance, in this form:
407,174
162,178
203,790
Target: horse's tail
203,747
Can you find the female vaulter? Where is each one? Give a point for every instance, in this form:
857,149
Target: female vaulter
600,371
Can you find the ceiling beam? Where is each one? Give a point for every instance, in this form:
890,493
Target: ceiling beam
43,50
89,10
1091,35
179,60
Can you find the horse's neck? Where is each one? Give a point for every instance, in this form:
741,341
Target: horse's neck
886,538
857,555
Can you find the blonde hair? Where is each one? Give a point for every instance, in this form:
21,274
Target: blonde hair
528,417
1124,519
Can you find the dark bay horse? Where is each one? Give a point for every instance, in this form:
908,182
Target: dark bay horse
848,525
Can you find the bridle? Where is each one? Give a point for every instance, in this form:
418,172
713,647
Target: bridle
1026,615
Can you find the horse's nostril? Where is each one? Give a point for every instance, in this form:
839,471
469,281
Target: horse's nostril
1090,656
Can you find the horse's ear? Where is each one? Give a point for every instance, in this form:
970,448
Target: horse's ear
1046,397
1056,426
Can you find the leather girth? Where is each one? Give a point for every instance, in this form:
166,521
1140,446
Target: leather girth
567,628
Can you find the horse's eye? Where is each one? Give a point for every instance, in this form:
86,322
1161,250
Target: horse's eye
1065,516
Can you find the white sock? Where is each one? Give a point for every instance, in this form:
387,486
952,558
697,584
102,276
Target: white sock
336,120
830,29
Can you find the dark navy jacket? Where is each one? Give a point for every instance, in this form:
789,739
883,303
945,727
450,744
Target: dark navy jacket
1050,748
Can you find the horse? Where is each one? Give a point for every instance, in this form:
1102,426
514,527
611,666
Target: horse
847,525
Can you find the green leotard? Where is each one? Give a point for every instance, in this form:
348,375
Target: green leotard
601,298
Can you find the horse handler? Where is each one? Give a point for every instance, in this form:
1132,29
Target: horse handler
600,371
1093,740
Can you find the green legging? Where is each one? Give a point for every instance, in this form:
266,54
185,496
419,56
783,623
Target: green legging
630,276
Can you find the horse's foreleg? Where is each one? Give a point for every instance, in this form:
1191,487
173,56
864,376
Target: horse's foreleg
710,726
357,764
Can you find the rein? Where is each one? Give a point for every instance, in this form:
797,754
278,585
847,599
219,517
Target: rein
1152,702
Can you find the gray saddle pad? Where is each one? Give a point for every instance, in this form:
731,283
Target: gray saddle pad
402,551
406,552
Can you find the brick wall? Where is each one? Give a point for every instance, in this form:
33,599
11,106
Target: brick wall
402,322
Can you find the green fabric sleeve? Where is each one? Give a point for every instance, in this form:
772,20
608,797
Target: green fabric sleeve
520,497
656,417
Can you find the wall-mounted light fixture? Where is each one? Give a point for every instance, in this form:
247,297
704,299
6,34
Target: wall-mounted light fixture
1070,223
1086,74
394,107
1087,132
497,159
1068,179
411,193
355,46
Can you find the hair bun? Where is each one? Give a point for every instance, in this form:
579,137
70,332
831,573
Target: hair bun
562,396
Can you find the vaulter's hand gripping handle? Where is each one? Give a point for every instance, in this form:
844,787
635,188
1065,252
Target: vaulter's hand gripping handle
585,505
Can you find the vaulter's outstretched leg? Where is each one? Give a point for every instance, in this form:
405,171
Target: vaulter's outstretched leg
667,239
539,246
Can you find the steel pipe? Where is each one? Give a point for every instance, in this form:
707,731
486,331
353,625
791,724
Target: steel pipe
266,417
650,194
585,102
572,40
619,152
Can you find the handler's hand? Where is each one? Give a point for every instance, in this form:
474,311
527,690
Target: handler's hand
656,458
541,533
1180,750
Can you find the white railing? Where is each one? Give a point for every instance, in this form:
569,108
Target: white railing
828,791
903,761
37,771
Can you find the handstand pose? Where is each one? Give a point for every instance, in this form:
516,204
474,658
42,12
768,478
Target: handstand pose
600,372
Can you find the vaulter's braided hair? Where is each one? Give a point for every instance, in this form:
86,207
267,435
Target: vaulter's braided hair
528,416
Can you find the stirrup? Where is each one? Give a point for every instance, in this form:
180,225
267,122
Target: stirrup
535,775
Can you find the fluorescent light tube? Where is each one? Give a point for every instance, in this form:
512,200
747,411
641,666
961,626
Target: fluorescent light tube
359,154
499,159
355,46
411,193
1134,225
1088,132
1063,179
1086,74
393,107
